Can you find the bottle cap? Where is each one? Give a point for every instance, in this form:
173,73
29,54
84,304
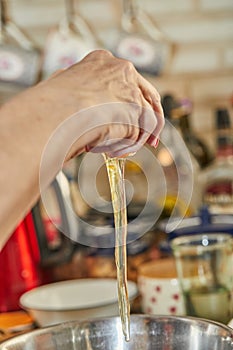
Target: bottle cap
187,105
222,118
169,104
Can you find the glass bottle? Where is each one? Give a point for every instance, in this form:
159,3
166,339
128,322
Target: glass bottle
178,165
217,179
196,146
140,41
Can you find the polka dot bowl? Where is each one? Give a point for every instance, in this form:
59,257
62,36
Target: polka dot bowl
159,288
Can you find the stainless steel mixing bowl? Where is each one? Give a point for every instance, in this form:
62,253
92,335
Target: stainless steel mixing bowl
147,333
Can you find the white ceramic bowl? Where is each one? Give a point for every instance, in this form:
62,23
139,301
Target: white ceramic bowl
230,324
74,300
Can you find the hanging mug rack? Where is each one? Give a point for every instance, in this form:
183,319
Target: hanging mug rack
69,42
20,61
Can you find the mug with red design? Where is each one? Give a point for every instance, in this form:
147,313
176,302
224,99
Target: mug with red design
159,288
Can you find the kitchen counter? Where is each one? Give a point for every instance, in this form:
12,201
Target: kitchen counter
15,323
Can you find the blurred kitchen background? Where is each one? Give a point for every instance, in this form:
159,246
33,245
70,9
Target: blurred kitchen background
201,31
194,75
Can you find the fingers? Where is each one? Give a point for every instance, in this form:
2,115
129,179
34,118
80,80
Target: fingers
140,91
151,95
123,128
124,84
124,138
116,147
147,123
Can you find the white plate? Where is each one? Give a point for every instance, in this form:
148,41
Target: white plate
74,299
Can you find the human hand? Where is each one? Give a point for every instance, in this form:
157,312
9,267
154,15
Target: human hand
100,104
113,108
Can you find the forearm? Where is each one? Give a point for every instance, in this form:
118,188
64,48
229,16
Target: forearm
26,124
20,158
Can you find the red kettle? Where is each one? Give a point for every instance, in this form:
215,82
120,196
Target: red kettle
34,247
19,261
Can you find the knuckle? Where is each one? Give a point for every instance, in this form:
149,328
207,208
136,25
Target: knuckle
136,94
99,54
103,53
129,66
126,66
134,133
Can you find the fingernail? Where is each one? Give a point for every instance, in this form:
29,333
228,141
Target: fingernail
155,143
87,148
